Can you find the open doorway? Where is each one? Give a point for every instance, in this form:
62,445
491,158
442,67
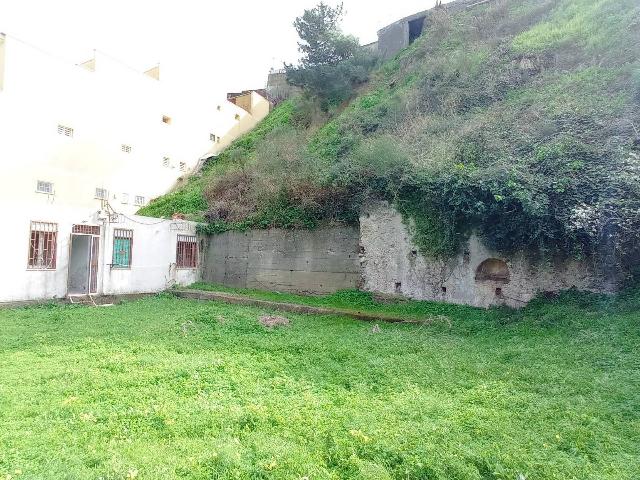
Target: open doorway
83,264
415,29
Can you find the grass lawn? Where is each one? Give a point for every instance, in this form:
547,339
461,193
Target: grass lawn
169,388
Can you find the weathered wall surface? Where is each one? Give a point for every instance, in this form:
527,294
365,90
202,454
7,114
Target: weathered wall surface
302,261
392,264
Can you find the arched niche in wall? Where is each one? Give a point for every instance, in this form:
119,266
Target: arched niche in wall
493,270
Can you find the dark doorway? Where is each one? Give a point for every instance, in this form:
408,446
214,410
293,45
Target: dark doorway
415,29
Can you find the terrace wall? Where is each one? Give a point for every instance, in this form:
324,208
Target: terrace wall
301,261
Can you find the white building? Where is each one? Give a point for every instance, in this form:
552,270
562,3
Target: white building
80,143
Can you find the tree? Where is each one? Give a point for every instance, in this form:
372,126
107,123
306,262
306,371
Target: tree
322,42
331,62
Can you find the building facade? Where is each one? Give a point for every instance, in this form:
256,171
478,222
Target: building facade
82,148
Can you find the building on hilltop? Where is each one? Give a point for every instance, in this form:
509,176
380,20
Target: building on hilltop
83,147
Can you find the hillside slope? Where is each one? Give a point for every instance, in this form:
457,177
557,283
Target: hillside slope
516,119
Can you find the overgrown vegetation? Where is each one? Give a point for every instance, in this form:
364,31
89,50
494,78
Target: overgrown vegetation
164,388
515,119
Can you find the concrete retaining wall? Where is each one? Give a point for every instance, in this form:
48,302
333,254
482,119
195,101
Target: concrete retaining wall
302,261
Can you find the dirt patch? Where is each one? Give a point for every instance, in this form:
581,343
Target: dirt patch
271,321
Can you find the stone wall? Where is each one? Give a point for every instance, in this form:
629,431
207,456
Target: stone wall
301,261
392,264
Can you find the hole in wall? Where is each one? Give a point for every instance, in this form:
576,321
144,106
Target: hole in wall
398,287
493,270
414,253
444,289
498,292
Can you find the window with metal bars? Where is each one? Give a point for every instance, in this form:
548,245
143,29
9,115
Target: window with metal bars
122,248
138,201
43,241
187,251
66,131
125,148
86,229
44,187
101,193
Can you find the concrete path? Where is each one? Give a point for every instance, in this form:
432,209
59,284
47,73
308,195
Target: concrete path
290,307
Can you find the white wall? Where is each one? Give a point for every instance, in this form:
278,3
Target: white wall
107,106
153,258
153,265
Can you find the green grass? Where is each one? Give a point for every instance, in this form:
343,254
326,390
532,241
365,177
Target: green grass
169,388
354,300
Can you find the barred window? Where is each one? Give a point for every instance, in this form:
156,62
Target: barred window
122,247
125,148
64,130
101,193
138,200
44,187
183,166
187,251
42,245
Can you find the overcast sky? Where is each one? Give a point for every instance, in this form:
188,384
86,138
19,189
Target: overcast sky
205,46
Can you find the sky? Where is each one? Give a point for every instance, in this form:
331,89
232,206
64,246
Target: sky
206,47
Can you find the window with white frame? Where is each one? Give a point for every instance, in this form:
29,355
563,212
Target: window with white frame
101,193
139,200
44,187
183,166
212,137
125,148
64,130
166,162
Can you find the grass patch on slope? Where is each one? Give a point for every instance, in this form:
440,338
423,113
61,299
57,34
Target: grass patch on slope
189,198
165,388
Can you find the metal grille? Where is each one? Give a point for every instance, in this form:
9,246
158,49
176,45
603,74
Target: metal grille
126,148
187,251
139,200
122,247
66,131
183,166
44,187
101,193
86,229
43,245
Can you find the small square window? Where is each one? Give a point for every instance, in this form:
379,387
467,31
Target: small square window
139,200
124,198
212,137
183,166
218,108
166,162
44,187
166,119
237,117
64,130
101,193
125,148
